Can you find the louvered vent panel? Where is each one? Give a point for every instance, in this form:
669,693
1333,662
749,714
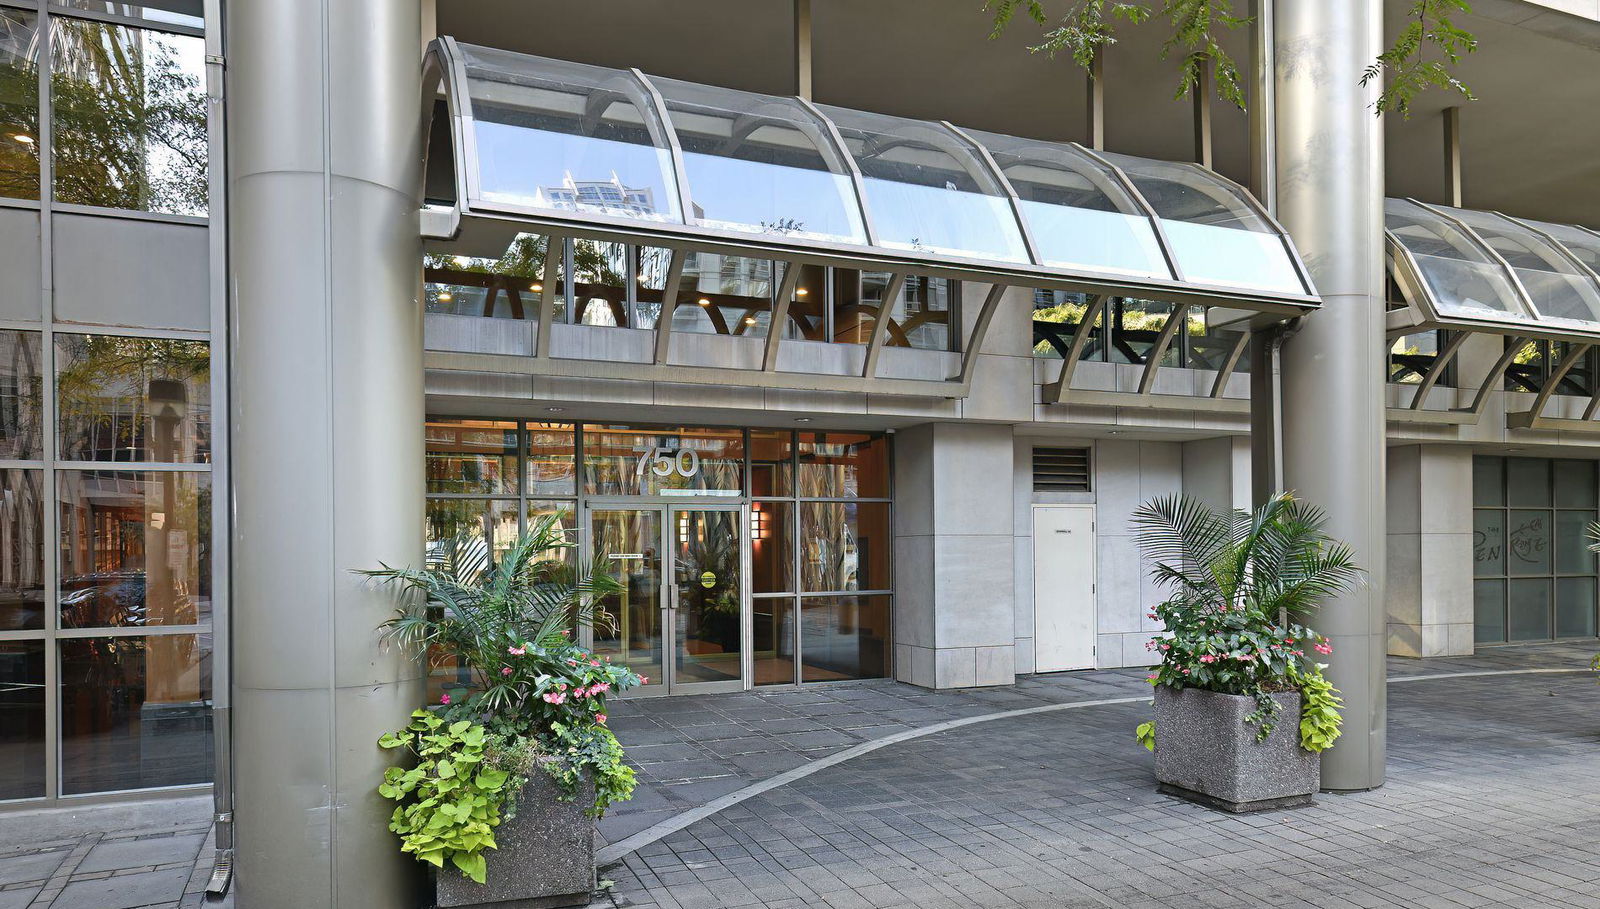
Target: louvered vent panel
1061,469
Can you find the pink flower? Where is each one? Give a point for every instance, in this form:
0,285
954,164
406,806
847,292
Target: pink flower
554,697
515,651
562,686
1186,672
505,670
644,680
1321,648
600,688
579,692
1208,658
594,662
1150,678
444,698
1166,646
599,718
564,632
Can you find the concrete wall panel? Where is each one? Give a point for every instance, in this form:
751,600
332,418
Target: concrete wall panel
118,271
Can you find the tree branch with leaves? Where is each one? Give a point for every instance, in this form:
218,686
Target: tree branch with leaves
1406,64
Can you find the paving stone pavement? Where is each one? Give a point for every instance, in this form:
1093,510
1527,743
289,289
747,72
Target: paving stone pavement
136,855
1490,801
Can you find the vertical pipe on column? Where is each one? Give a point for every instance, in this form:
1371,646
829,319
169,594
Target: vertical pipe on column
1452,155
324,151
1330,197
802,48
1095,104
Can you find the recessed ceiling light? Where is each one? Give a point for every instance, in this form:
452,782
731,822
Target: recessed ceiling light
24,138
800,292
703,301
555,410
446,296
802,419
749,320
536,287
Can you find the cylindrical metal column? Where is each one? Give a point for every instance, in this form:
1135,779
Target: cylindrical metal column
324,142
1330,198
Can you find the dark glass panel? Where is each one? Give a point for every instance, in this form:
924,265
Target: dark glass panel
1489,611
20,394
1530,545
771,463
133,399
835,465
1056,317
844,546
1572,542
129,125
1575,484
1488,481
772,547
1529,609
1528,482
472,457
1575,607
22,745
19,104
921,317
844,638
135,712
21,549
774,635
1488,542
135,548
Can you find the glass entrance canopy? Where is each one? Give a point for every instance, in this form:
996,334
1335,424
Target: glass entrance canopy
1486,271
604,152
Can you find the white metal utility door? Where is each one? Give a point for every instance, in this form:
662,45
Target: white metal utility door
1063,587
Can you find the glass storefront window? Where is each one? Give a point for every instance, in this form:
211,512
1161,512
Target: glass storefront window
552,460
565,515
19,104
509,287
22,712
135,712
20,394
189,13
133,399
485,528
476,457
921,316
773,631
600,283
772,547
623,461
844,546
129,125
771,463
21,549
725,295
1535,577
844,638
135,548
836,465
650,267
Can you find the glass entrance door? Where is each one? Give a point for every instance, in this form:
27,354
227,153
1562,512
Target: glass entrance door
680,619
706,599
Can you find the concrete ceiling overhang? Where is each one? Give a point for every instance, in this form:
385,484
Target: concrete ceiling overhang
1529,144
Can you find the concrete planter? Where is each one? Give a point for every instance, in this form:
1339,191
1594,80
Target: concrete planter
545,856
1206,753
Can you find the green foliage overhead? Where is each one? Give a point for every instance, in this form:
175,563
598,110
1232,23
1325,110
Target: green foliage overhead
1410,70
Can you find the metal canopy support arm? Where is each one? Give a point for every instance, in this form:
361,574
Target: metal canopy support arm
1441,362
780,316
669,304
1220,383
1158,352
1496,374
1056,391
1575,353
880,325
554,244
980,329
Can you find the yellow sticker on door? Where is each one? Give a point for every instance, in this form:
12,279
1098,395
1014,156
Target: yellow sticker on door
708,579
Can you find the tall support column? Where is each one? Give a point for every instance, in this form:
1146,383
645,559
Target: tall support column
325,147
1330,198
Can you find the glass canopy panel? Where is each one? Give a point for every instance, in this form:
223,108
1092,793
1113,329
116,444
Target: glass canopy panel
1216,235
1462,278
1560,290
927,190
1079,213
568,137
1582,244
761,164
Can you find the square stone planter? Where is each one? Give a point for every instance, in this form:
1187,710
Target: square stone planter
1205,752
545,856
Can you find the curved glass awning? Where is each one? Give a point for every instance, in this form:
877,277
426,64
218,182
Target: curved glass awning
1484,271
611,153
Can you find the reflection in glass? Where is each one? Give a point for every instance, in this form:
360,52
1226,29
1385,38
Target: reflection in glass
761,164
854,314
844,638
1528,482
491,524
1488,542
1528,609
133,399
600,283
1080,214
725,295
565,515
552,459
631,633
568,136
1576,600
22,748
630,461
705,561
166,12
1135,327
920,317
508,287
771,462
21,549
808,305
772,547
20,395
1572,541
472,456
19,104
1056,317
135,548
836,465
1575,483
135,712
844,546
1529,544
650,267
129,126
1488,482
774,634
927,190
1489,611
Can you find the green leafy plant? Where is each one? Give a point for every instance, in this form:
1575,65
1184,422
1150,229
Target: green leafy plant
449,800
1235,582
1088,26
1146,734
537,700
1320,720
